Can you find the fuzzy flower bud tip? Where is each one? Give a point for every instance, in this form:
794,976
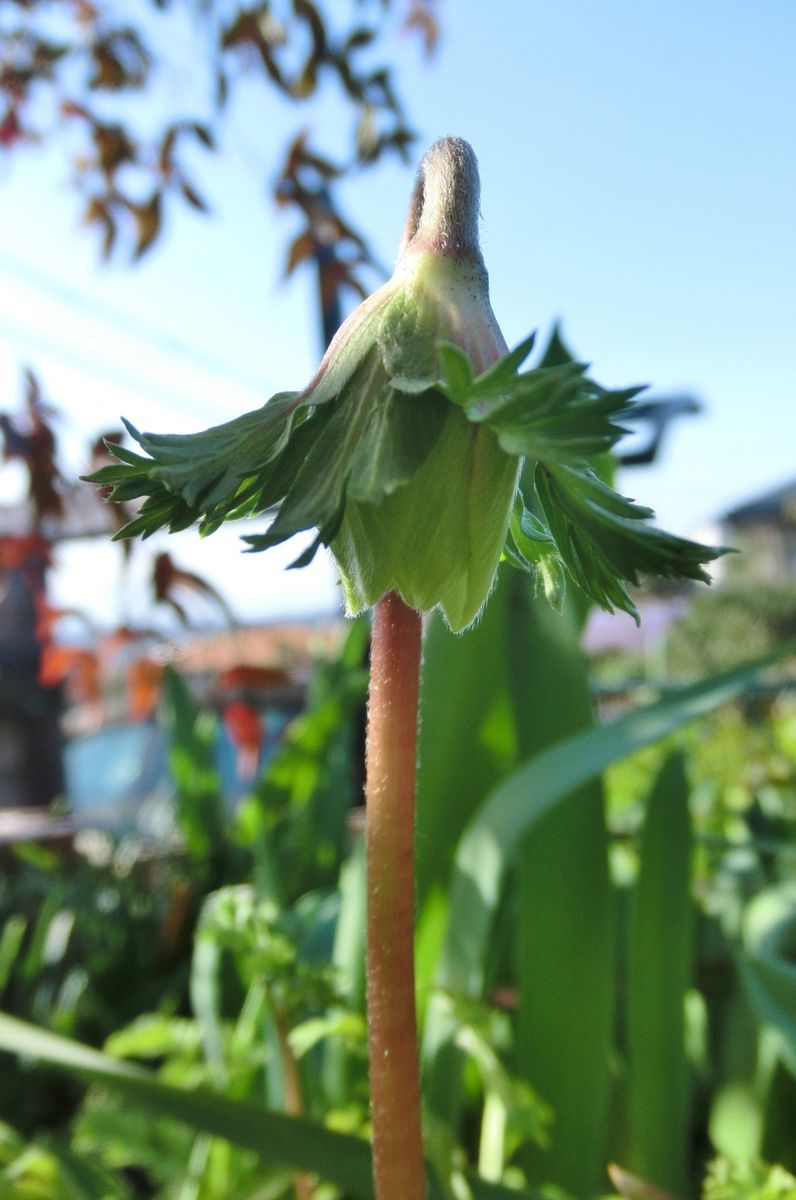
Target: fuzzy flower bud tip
445,204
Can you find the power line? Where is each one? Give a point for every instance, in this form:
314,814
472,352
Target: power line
131,325
180,402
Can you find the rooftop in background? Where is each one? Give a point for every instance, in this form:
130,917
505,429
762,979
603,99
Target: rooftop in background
779,504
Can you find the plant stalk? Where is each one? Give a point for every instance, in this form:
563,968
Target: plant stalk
390,804
294,1094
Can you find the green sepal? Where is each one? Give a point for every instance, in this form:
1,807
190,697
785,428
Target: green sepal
438,540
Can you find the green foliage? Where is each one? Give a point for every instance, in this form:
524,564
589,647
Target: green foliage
536,788
191,757
297,1142
735,619
492,843
256,1049
752,1181
512,1114
50,1170
767,968
293,1141
294,822
85,947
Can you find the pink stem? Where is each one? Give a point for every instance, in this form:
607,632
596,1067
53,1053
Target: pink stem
390,794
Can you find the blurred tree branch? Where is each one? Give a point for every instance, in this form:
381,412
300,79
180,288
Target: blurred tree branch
85,67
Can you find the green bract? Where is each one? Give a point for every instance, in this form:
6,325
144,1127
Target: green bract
405,450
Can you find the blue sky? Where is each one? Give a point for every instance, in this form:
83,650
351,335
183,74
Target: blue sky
639,183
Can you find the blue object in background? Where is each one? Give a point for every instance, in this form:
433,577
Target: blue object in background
118,778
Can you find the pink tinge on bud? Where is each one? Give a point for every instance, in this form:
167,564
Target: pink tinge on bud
441,250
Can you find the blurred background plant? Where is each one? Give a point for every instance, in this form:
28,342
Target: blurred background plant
234,964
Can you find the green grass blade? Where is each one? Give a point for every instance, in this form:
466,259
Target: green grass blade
340,1069
658,974
200,808
294,1141
466,738
465,749
564,929
205,990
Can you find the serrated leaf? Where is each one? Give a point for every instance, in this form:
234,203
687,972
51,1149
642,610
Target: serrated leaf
124,455
506,366
201,477
361,433
556,352
552,411
371,444
605,541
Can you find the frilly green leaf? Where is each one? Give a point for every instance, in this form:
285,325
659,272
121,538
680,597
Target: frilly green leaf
605,540
553,411
335,457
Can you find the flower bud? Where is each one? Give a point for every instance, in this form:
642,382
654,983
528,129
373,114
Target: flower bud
437,538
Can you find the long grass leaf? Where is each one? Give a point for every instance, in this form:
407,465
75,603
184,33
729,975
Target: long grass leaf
658,975
564,927
466,736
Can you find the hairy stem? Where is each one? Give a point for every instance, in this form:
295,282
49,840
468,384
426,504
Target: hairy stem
390,795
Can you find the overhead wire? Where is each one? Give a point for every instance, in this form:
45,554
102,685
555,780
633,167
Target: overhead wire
129,324
98,369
